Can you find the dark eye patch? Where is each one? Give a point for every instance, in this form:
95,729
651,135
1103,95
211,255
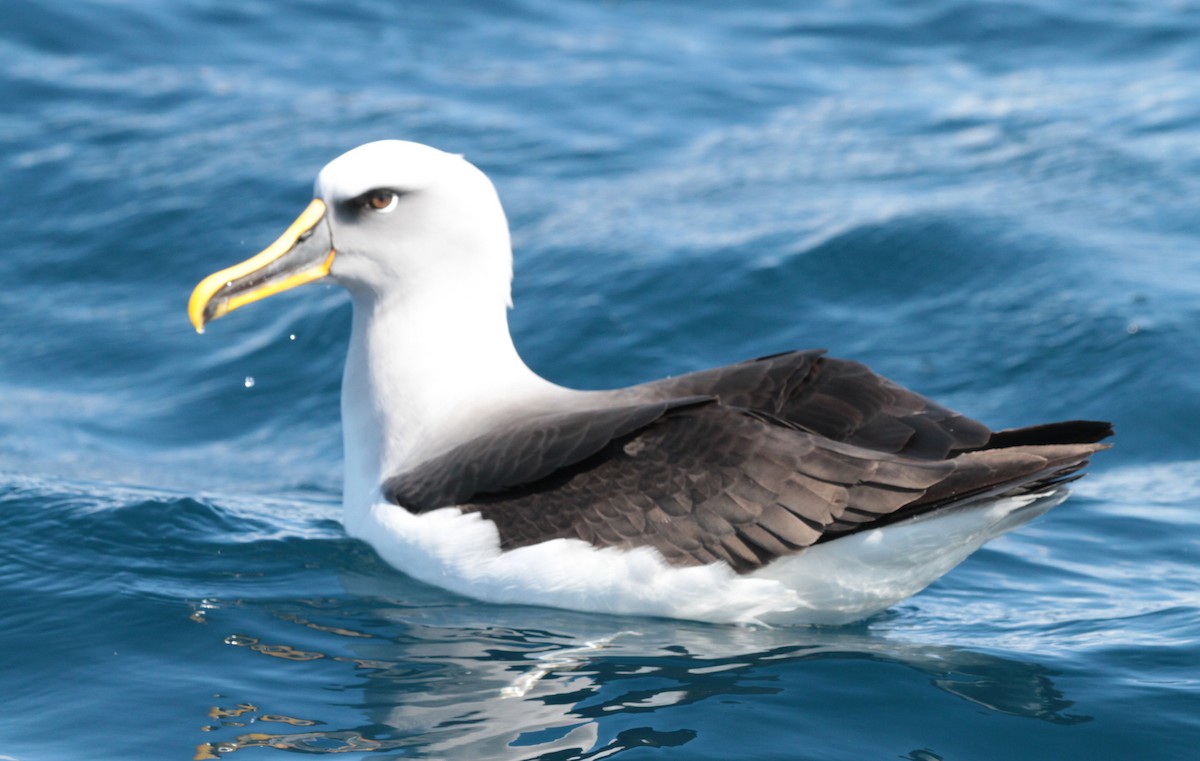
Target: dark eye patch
379,200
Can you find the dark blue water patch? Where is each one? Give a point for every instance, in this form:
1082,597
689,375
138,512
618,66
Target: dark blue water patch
64,29
129,544
863,279
990,31
855,292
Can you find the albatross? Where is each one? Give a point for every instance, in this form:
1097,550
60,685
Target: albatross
790,489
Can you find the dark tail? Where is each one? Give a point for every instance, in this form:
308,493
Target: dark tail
1067,432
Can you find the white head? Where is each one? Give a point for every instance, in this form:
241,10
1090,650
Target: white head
407,219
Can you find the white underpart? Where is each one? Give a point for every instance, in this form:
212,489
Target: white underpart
832,583
856,576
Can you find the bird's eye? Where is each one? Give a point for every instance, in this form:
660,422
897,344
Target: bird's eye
382,200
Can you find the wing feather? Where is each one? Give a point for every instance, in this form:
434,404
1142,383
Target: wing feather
712,481
836,398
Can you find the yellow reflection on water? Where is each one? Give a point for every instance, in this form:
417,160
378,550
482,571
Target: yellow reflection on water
306,742
338,630
287,720
216,712
286,652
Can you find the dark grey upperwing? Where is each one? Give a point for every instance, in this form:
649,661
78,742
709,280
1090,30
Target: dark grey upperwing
845,401
836,398
529,449
701,481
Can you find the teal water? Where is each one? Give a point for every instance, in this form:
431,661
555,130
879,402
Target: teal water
992,203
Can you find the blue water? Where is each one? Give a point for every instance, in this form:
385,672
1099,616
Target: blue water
994,203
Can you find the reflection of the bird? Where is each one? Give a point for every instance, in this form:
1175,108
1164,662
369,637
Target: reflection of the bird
444,678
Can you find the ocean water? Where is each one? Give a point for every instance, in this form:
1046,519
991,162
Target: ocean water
994,203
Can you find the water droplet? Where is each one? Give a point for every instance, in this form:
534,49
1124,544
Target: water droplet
249,381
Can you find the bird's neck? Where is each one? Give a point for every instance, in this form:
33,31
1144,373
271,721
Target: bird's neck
421,375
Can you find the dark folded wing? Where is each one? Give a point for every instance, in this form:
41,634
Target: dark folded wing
839,399
525,451
702,482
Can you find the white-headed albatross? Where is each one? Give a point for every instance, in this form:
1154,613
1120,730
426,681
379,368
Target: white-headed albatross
795,488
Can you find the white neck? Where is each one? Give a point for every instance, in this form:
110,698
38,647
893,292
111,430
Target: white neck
422,374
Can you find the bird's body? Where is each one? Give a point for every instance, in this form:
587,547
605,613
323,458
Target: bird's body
792,488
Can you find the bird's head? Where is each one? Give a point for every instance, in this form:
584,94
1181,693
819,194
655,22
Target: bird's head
391,220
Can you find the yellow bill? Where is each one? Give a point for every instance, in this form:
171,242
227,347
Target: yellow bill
303,253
